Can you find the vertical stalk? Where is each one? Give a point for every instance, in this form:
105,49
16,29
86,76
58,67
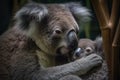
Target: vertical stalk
103,16
111,33
114,16
116,54
115,27
87,25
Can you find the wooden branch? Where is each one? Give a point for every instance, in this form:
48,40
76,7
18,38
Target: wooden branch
114,17
115,34
116,54
102,13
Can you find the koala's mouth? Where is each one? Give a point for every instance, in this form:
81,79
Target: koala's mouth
66,52
63,50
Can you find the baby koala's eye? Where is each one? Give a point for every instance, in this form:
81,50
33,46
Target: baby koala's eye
88,49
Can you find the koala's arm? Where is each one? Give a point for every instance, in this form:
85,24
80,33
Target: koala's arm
29,69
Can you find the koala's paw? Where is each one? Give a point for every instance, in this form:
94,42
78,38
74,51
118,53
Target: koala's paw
94,60
90,62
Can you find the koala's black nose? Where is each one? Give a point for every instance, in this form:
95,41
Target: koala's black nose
72,40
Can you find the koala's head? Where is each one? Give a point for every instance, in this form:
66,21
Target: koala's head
87,47
53,27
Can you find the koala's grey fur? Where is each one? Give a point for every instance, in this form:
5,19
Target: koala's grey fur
28,50
96,48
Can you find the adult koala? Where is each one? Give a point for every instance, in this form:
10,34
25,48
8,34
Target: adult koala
28,50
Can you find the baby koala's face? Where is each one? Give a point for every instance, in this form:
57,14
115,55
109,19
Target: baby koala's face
85,48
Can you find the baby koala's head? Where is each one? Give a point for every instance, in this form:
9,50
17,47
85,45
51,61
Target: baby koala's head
87,47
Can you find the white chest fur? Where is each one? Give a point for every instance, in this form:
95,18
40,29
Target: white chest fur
45,60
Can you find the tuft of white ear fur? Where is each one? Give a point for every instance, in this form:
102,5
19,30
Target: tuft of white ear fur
81,13
99,43
30,12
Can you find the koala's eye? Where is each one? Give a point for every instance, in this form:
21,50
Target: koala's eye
88,49
56,34
57,31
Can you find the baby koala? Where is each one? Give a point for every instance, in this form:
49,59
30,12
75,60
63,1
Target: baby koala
87,47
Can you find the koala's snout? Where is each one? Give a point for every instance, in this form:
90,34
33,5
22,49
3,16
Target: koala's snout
77,53
72,40
69,44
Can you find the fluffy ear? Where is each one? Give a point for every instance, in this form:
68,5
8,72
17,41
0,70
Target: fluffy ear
80,13
99,43
30,12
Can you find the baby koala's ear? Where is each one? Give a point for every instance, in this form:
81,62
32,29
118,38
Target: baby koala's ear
99,44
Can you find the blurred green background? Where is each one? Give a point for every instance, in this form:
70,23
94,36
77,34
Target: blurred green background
9,7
